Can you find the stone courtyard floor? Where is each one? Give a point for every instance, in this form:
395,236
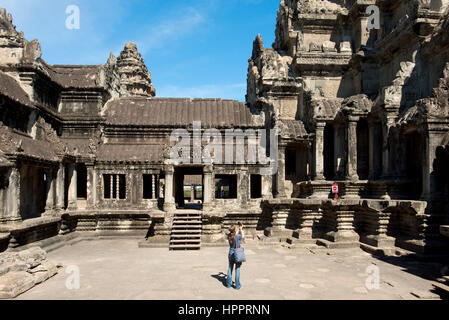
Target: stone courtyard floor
118,269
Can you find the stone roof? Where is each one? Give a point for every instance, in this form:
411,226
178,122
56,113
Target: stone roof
292,129
16,143
326,108
4,162
130,153
177,112
79,77
11,89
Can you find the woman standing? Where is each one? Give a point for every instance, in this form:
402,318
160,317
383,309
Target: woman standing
235,237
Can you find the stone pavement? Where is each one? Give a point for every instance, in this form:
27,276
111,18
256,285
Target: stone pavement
117,269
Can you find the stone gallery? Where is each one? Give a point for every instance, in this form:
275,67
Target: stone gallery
86,150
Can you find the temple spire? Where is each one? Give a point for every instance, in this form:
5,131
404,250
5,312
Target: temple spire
134,75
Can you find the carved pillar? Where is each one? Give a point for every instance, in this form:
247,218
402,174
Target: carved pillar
91,185
50,189
306,219
244,188
351,138
208,186
278,226
192,194
169,201
387,123
267,187
13,196
60,192
153,186
318,151
280,175
73,186
344,225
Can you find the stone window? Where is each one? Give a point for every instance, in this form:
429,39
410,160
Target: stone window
114,186
256,186
149,186
226,186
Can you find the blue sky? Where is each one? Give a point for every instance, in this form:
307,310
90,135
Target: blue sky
193,48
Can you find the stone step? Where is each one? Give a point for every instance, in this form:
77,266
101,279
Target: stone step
185,247
198,235
180,226
186,231
188,215
337,245
186,221
185,241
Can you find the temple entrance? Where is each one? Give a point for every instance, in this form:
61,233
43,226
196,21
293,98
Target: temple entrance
188,183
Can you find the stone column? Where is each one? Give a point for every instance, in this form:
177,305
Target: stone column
387,123
344,225
306,220
371,149
50,188
91,186
73,186
351,134
278,226
153,186
280,175
318,151
60,187
13,196
208,186
429,189
243,188
169,201
267,187
192,194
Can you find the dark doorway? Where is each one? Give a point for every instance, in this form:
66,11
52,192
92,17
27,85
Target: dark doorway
328,152
256,186
362,149
81,183
188,183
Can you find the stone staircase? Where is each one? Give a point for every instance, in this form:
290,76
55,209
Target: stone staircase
186,230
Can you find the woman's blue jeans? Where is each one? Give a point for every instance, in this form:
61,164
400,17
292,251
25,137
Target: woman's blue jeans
237,273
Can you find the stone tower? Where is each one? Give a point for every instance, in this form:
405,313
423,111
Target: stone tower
134,76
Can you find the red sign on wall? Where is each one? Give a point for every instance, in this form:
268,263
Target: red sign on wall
335,188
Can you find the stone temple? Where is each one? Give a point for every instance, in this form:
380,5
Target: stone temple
86,150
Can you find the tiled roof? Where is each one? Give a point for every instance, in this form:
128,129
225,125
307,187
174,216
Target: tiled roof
10,88
77,76
3,161
327,108
40,149
293,129
130,153
166,112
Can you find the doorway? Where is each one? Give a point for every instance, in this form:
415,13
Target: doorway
188,183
